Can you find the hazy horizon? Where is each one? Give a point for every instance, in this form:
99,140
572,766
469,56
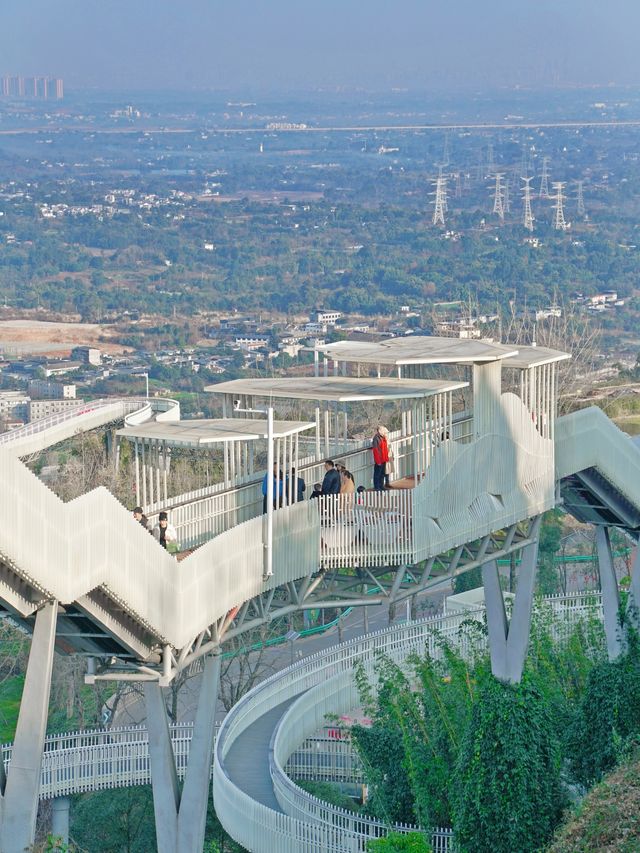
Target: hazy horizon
376,46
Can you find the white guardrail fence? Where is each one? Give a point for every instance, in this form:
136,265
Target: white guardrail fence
319,684
203,513
303,746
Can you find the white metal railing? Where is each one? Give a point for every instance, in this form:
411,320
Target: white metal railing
97,759
70,413
200,514
109,549
370,529
259,828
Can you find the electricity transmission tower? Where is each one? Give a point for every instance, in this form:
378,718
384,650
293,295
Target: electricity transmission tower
498,198
544,181
445,152
581,208
490,162
506,201
458,190
528,215
440,201
559,222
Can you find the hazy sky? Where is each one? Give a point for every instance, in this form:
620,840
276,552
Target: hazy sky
117,44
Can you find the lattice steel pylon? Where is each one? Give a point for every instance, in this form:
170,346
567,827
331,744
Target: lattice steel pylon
498,197
580,204
544,180
440,201
559,222
527,220
458,190
490,160
506,201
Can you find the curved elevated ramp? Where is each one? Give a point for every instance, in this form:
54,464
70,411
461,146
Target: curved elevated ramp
43,433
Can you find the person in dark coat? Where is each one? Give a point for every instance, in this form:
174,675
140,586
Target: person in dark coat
317,490
140,517
331,483
299,486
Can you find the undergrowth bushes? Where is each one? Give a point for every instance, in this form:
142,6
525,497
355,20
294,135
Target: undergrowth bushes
449,745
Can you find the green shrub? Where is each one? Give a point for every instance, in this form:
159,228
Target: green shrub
506,789
398,842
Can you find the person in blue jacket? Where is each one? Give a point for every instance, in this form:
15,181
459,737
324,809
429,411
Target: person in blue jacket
277,489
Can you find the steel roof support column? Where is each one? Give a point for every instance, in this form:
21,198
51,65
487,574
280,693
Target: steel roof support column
180,818
610,594
509,640
19,805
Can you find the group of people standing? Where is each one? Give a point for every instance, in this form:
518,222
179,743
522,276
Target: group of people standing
337,479
163,532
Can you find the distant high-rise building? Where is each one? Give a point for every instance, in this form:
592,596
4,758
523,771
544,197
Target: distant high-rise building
44,88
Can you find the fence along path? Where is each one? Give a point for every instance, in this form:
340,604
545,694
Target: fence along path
91,760
314,684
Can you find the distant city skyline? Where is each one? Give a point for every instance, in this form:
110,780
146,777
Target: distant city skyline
369,44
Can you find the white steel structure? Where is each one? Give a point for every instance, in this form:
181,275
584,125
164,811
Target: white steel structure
559,222
544,180
479,457
528,218
580,199
440,203
498,197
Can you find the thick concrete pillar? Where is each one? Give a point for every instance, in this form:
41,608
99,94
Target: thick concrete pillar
60,818
19,807
509,639
181,817
610,594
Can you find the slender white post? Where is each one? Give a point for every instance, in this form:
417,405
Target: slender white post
268,545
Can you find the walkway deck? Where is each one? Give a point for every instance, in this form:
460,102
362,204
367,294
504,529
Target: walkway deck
247,762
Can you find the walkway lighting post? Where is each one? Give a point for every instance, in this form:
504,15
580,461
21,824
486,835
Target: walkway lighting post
146,377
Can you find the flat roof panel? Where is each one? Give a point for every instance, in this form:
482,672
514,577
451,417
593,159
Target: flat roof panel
529,356
341,389
204,432
417,349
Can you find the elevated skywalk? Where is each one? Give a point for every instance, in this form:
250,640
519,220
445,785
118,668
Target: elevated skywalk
45,432
598,468
478,475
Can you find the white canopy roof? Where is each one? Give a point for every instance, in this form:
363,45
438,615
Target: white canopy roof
341,389
417,349
201,433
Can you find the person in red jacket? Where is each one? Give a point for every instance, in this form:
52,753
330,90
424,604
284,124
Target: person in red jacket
380,448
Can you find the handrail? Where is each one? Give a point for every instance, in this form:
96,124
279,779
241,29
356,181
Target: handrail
95,759
267,829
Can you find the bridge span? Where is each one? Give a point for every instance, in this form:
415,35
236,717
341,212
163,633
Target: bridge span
479,456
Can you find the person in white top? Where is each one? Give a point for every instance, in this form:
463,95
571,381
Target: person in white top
166,534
